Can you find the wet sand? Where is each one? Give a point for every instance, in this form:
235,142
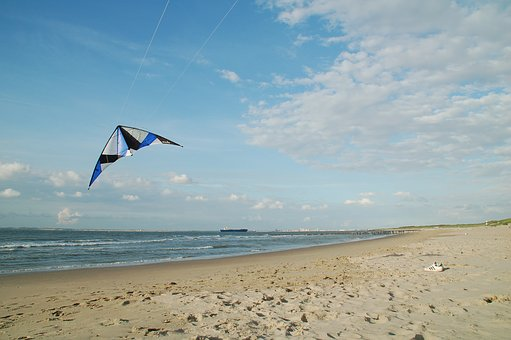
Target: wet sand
369,290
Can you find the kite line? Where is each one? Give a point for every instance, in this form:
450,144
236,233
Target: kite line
185,69
173,85
145,55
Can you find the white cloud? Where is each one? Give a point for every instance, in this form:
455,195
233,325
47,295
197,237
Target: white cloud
61,179
281,81
7,170
62,194
308,207
302,39
364,201
237,198
327,41
9,193
229,75
268,204
416,85
67,216
405,196
130,183
198,198
180,179
131,198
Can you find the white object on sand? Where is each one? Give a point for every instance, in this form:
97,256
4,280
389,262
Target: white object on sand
435,267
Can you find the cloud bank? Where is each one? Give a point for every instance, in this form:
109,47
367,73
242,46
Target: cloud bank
414,85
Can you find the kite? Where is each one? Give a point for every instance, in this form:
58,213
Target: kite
123,142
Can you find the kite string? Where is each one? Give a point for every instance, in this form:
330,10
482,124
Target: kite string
173,85
143,59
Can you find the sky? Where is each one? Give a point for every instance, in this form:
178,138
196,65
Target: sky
329,114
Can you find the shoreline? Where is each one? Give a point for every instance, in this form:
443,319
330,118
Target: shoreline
230,259
365,289
382,234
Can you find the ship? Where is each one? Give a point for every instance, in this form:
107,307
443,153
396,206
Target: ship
233,230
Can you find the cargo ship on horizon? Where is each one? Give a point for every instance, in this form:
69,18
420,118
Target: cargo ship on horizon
233,230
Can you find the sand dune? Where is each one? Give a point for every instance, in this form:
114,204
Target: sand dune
366,290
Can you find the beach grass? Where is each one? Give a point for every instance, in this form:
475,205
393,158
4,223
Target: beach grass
492,223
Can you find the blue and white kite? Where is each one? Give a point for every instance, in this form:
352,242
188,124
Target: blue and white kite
123,142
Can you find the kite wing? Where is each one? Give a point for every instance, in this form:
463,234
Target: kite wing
123,142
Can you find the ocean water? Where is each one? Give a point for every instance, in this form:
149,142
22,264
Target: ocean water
31,250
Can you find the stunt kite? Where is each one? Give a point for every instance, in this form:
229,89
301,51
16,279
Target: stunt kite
123,142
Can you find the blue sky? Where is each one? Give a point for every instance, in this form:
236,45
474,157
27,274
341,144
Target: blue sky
323,114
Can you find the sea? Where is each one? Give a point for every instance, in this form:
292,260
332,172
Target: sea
25,250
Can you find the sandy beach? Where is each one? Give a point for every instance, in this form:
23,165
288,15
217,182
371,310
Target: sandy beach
364,290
